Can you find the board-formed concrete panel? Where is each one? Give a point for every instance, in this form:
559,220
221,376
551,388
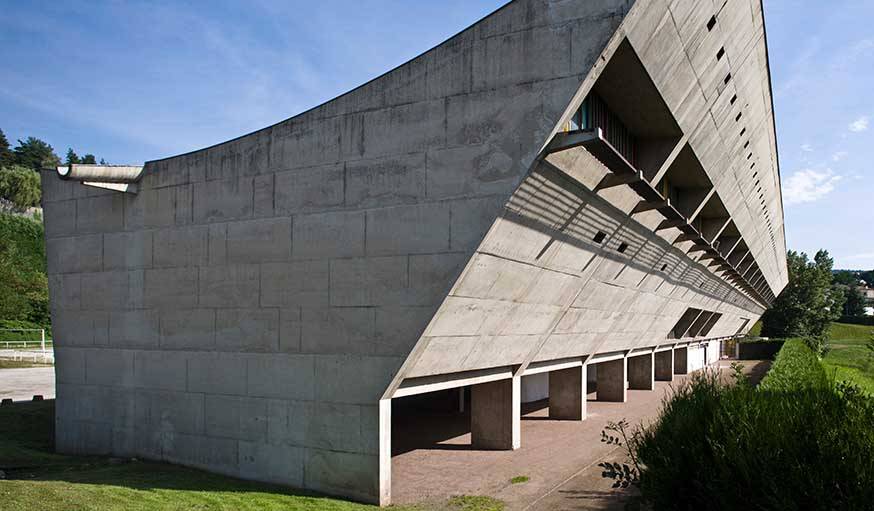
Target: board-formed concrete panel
255,306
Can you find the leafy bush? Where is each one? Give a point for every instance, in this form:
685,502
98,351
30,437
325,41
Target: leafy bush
795,442
20,186
23,283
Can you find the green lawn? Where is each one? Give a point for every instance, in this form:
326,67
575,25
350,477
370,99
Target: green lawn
6,363
37,478
849,359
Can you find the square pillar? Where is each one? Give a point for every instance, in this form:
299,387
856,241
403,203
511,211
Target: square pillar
664,365
681,360
567,394
641,373
611,381
384,452
495,411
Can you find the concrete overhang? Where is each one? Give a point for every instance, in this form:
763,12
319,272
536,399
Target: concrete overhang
119,178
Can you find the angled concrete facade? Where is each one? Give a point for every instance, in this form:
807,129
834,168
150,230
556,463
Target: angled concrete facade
465,219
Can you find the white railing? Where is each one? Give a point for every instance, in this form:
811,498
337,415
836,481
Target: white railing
41,343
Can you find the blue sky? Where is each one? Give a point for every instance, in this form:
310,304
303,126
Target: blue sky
134,81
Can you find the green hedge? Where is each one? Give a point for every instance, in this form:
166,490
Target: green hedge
795,442
795,367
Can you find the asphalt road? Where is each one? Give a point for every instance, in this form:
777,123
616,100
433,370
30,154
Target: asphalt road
23,384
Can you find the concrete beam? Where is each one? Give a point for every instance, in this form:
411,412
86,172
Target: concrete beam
567,394
703,202
495,412
612,376
641,372
711,228
663,169
644,206
551,365
667,224
613,180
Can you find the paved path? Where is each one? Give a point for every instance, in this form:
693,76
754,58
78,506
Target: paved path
22,384
560,457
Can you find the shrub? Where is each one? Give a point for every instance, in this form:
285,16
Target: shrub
795,442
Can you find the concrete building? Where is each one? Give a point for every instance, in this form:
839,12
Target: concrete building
588,189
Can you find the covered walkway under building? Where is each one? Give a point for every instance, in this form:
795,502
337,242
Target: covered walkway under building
466,440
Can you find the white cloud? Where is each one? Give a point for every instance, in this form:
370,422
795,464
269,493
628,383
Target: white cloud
809,185
860,124
807,148
839,155
864,255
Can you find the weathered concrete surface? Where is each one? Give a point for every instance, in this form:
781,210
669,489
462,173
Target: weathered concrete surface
664,365
681,361
612,381
494,414
641,372
567,394
23,384
251,306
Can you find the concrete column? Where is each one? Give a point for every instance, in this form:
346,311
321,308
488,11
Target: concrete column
611,381
664,365
567,394
495,413
681,360
641,372
384,452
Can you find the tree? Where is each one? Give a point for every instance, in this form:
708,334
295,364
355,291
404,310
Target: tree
809,303
24,293
20,186
846,277
72,157
35,154
868,277
855,304
7,158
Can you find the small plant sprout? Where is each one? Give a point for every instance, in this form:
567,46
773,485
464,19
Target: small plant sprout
519,480
622,474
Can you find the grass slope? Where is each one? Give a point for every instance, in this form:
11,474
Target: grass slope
849,359
37,478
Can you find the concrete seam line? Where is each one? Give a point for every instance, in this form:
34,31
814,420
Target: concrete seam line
575,474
